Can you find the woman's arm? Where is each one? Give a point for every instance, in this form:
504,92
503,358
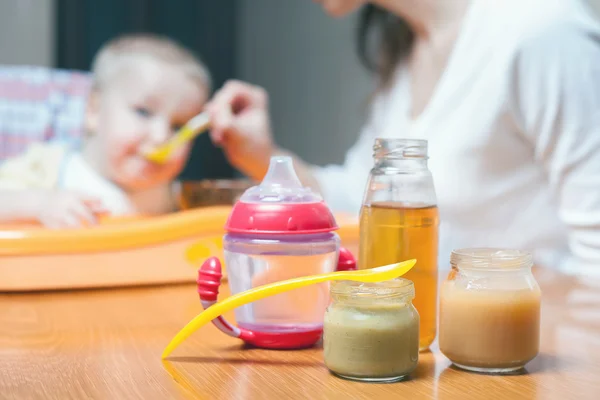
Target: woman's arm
240,125
557,99
343,185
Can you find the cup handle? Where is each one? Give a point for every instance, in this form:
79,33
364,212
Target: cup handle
346,261
209,280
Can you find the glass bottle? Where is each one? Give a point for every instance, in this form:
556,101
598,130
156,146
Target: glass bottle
399,221
371,330
490,310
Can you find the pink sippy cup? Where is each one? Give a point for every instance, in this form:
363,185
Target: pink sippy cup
277,230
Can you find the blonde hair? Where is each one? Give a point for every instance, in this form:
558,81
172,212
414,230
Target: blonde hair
108,59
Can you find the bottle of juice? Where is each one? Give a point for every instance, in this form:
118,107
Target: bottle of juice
399,221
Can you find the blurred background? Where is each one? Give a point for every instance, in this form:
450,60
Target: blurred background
318,89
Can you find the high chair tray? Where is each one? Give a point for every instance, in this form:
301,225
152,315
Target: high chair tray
119,251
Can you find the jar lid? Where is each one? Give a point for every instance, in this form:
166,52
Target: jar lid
280,205
391,288
491,258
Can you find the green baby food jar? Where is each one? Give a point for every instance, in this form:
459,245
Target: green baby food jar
371,330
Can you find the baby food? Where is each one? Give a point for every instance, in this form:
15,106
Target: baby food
371,331
490,315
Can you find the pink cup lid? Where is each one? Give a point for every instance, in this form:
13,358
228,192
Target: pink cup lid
280,205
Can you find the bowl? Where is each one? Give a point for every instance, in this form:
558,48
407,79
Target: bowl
206,193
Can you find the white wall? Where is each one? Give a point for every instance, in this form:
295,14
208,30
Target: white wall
307,62
27,32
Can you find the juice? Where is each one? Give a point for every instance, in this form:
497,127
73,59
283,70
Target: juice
392,232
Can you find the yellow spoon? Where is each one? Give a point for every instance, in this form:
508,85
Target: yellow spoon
189,131
378,274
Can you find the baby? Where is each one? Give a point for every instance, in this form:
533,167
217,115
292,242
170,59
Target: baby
144,89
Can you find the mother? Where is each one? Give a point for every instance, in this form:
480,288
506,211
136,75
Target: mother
508,95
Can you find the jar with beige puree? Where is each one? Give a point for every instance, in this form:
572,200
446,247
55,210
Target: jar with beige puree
490,310
371,330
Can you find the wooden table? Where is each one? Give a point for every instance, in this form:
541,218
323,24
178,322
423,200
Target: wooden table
106,345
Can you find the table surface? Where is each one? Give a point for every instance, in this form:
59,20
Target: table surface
106,344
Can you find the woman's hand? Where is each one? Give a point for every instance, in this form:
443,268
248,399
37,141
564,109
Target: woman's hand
240,125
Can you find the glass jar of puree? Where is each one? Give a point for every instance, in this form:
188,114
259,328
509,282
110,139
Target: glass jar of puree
490,310
371,330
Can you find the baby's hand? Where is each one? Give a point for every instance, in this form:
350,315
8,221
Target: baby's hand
61,209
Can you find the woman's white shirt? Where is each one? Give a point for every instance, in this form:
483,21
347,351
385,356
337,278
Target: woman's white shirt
514,134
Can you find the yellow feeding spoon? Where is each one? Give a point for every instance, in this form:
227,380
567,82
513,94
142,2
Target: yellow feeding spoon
378,274
188,132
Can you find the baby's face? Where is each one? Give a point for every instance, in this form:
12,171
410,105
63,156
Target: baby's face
142,107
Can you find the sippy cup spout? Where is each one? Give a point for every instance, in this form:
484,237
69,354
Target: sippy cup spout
281,173
280,205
